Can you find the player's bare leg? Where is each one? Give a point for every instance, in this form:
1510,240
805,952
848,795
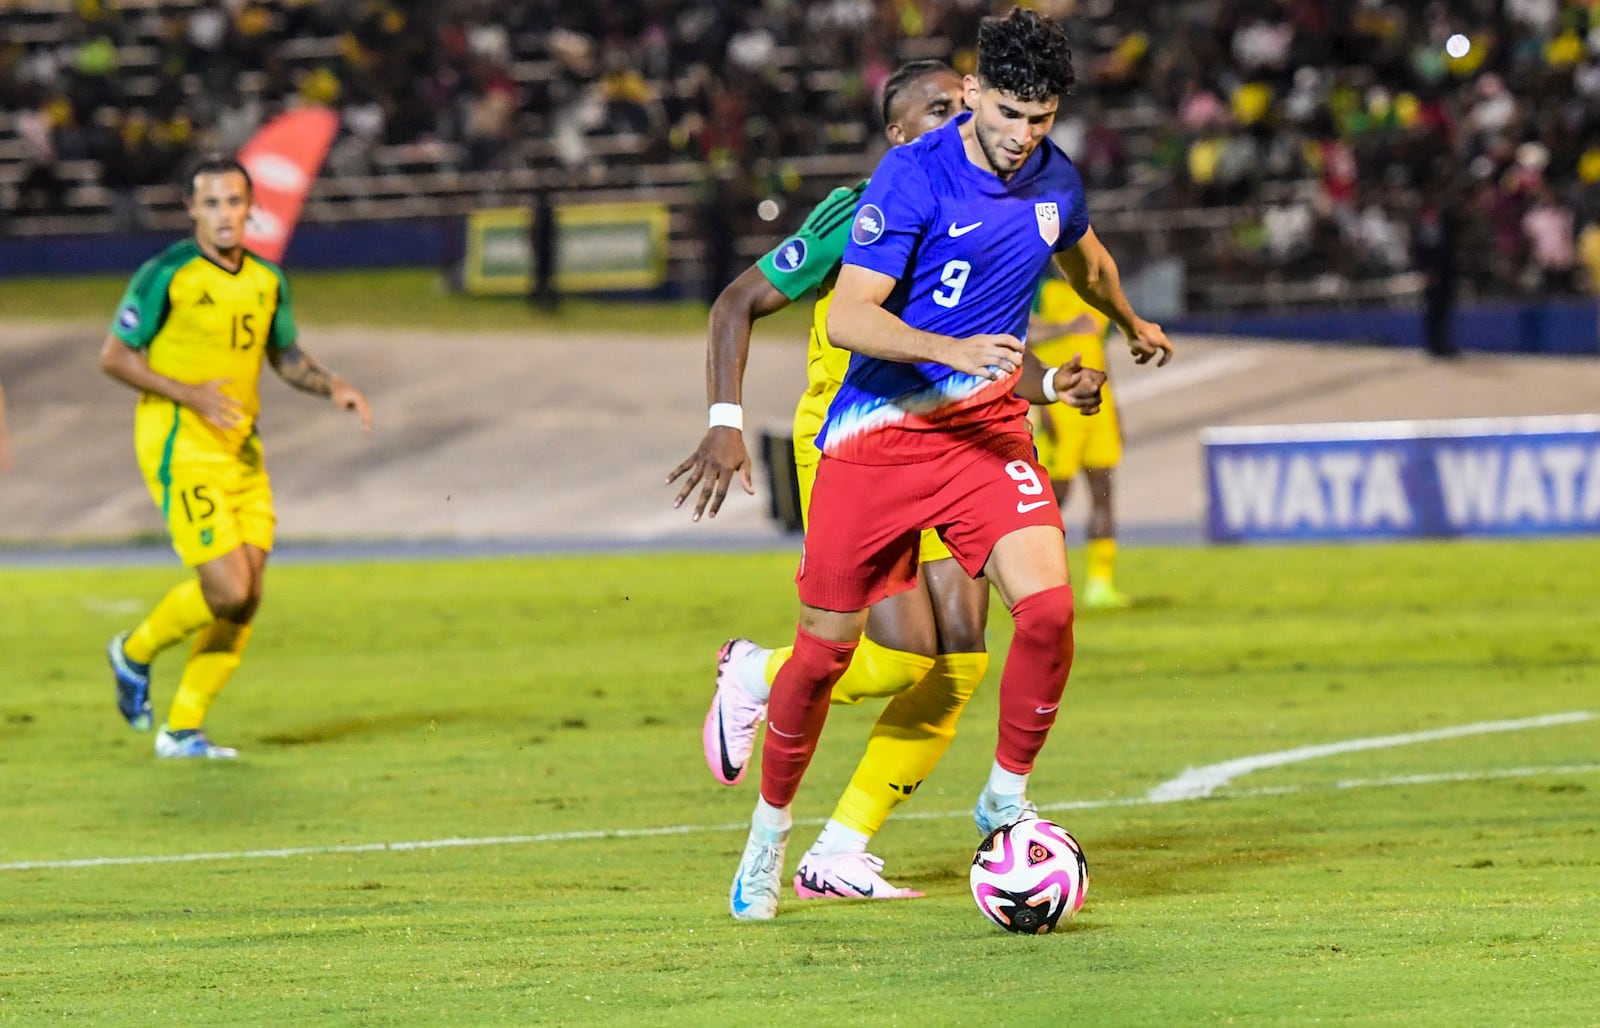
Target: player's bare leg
1029,568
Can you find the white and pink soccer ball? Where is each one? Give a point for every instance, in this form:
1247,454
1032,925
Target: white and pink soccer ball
1030,877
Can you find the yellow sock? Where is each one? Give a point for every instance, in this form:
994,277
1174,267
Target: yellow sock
180,613
874,671
1102,559
911,734
214,659
879,671
776,660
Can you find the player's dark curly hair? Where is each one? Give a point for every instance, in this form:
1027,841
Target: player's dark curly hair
214,164
905,75
1026,55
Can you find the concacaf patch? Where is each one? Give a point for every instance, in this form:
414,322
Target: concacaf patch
791,255
869,225
1048,215
128,317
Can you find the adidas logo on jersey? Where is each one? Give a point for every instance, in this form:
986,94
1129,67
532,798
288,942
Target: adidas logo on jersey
205,301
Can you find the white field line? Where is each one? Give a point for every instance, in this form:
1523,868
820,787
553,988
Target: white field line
1199,782
740,826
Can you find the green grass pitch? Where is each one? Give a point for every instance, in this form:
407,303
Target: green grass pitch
411,299
1444,882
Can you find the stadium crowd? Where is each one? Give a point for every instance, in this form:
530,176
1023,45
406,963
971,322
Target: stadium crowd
1349,139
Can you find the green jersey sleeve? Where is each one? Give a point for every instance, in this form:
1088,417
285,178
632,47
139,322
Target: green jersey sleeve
143,309
805,260
284,332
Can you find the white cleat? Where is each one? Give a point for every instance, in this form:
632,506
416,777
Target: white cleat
846,876
729,733
996,811
190,743
754,895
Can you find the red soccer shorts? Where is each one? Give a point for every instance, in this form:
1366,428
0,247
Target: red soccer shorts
861,545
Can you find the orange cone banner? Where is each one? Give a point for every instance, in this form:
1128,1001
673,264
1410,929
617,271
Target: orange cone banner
283,159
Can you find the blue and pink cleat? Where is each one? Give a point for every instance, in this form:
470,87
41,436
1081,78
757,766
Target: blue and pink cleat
133,685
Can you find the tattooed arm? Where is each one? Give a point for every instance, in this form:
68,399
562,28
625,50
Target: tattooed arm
297,368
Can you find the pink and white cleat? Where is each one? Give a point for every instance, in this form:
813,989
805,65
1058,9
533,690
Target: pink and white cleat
730,728
846,876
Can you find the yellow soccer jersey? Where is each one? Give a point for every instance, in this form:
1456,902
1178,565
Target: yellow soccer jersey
825,368
197,322
808,260
1056,300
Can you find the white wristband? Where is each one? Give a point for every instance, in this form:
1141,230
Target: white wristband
727,415
1049,384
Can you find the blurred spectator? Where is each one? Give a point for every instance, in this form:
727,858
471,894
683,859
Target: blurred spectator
1549,230
1436,243
720,225
40,188
542,251
1589,253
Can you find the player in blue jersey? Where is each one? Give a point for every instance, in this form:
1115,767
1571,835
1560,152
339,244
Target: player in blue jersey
930,425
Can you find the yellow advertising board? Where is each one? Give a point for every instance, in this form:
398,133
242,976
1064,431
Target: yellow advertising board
599,248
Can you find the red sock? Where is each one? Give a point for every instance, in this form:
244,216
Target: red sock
796,711
1035,676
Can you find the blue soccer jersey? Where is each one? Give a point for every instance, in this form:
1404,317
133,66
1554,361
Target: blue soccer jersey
966,249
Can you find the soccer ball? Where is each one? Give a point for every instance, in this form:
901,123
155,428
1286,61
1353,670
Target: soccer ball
1030,876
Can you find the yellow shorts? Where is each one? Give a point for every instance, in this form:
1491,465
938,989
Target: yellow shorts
212,505
930,549
1070,441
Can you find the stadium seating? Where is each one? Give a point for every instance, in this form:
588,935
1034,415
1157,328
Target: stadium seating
1278,172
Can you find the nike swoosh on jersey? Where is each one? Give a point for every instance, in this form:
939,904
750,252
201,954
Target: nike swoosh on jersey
957,231
1023,508
1051,709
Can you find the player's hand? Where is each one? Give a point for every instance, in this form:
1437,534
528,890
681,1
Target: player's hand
347,397
1078,386
720,454
1149,341
987,356
209,401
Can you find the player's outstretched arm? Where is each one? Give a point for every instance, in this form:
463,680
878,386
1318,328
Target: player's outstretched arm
297,368
722,452
858,322
1092,272
132,368
1070,383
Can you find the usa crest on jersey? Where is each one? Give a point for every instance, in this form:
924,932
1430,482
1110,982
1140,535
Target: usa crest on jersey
1048,215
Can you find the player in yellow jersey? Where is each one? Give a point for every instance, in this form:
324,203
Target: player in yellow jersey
190,335
1061,325
924,647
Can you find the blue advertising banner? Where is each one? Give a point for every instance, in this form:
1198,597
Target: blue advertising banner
1403,479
